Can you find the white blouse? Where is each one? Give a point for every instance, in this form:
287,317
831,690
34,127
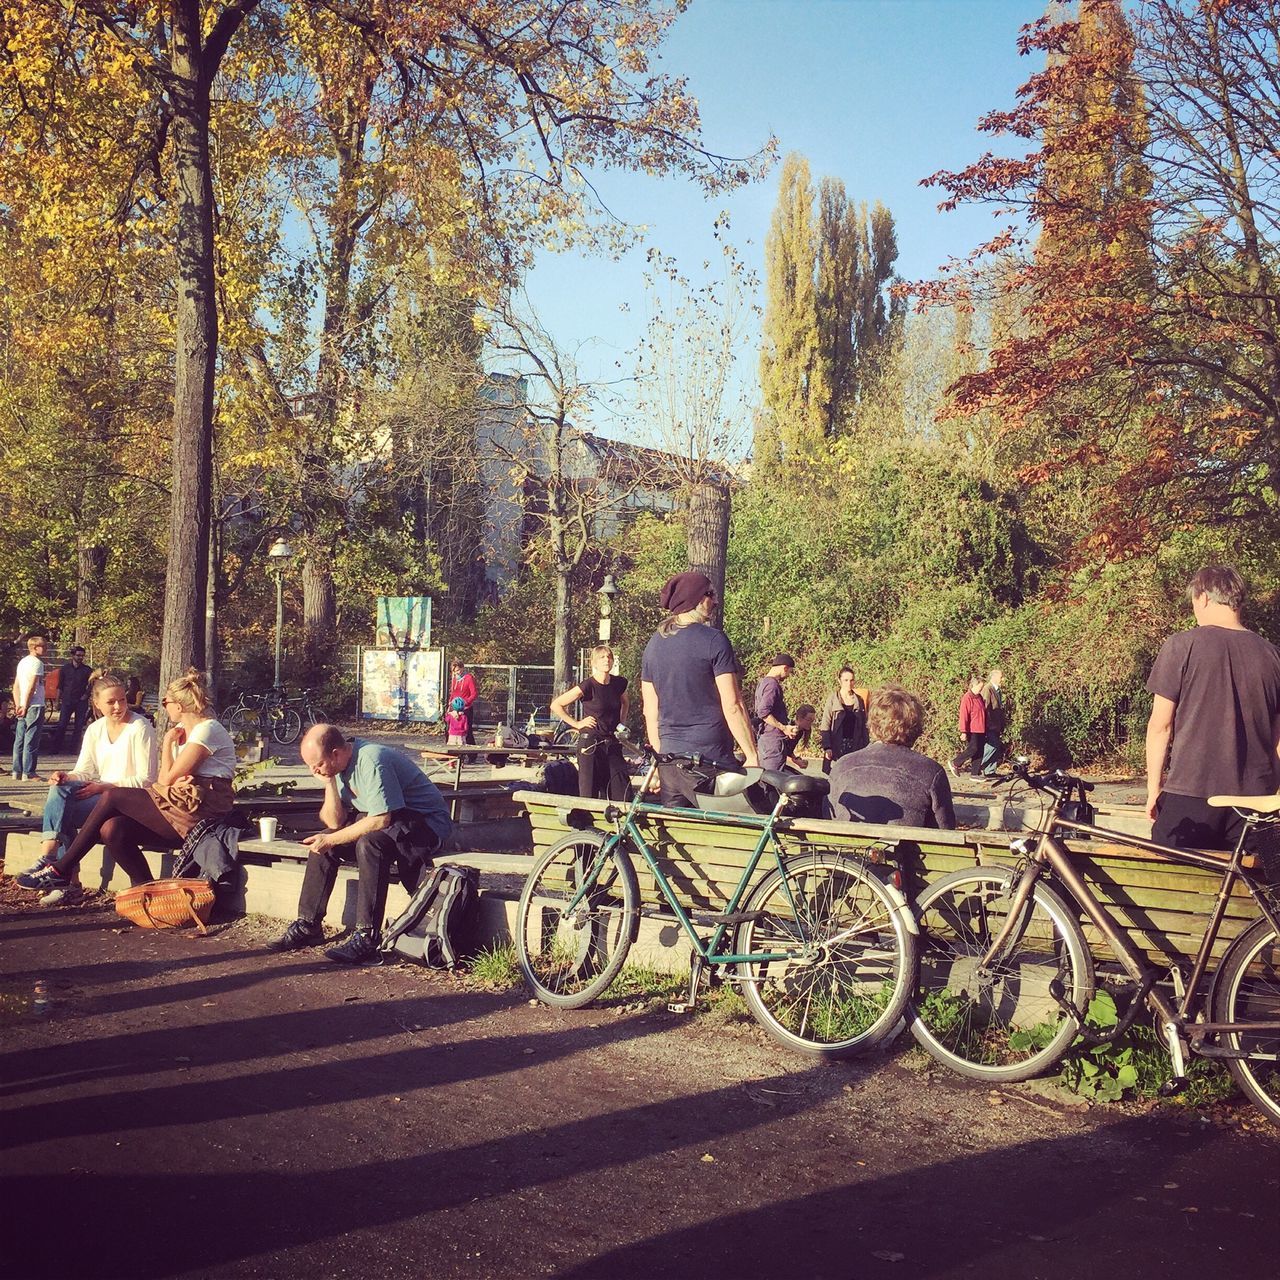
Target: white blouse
129,761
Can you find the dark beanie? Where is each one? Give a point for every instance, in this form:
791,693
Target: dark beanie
685,592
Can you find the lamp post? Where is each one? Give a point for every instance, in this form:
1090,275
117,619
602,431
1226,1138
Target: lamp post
278,558
606,594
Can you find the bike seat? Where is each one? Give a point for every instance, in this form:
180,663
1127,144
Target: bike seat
795,784
1259,804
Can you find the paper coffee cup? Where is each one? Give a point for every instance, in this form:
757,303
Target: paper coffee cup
267,827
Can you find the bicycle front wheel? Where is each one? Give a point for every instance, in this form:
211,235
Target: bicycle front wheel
997,1021
286,724
569,957
244,720
1247,989
847,956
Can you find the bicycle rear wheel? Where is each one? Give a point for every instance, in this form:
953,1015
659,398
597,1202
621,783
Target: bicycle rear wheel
286,724
999,1021
569,958
848,963
1247,989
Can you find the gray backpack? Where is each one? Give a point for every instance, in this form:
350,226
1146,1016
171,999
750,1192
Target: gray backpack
441,915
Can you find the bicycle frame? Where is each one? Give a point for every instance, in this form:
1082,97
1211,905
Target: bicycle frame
707,951
1051,852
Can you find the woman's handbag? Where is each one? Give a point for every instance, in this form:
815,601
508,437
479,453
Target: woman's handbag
167,904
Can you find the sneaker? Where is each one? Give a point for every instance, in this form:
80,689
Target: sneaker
361,947
301,933
44,879
44,860
951,767
55,897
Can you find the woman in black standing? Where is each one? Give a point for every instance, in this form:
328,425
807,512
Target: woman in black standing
602,772
843,727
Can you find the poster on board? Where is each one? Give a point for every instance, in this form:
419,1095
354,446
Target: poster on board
400,685
403,622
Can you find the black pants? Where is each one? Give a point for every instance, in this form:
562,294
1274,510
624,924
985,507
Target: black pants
408,845
972,754
66,711
602,771
1187,822
680,784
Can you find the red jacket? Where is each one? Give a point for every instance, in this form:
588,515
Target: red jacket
973,713
464,687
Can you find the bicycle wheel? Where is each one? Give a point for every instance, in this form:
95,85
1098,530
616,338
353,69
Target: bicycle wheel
286,724
315,715
999,1021
1247,989
244,720
569,959
849,956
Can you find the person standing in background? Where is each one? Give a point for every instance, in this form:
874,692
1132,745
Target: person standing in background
843,726
997,719
774,730
462,685
73,698
28,709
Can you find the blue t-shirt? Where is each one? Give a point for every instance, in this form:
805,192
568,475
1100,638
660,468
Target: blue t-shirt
381,780
682,668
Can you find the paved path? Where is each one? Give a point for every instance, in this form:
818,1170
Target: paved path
178,1106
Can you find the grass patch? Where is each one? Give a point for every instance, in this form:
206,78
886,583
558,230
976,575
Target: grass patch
497,967
641,982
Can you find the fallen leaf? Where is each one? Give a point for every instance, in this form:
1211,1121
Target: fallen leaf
708,1158
888,1255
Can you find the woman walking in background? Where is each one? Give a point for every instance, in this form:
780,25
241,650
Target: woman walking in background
973,730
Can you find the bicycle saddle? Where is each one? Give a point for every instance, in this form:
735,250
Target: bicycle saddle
1259,804
795,784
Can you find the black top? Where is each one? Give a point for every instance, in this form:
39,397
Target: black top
893,785
73,683
604,701
1226,687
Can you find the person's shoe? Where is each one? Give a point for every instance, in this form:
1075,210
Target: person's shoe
951,768
44,879
361,947
301,933
34,777
44,860
55,897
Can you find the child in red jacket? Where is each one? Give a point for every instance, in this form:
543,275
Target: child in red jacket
973,728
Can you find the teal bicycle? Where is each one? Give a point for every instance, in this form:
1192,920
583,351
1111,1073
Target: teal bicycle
822,945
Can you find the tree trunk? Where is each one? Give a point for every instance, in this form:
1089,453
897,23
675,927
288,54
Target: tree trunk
91,567
319,613
562,675
212,664
186,579
708,533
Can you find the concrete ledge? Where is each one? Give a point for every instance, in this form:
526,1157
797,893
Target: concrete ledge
272,882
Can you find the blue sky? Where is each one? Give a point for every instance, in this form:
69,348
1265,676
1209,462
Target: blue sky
879,93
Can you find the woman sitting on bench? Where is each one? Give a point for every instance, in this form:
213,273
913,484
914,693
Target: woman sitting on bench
197,763
118,749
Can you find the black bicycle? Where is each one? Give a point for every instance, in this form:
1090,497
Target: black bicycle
1006,976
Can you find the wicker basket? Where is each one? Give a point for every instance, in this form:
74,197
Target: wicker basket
167,904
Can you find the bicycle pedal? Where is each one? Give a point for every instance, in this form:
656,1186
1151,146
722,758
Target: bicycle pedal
681,1006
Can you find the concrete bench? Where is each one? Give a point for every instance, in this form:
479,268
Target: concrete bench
1164,905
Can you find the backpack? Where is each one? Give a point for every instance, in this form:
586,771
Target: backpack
560,777
445,905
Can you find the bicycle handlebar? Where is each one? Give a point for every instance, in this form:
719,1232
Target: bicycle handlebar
1057,783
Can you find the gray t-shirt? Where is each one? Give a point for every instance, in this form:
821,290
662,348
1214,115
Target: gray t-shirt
893,785
1226,687
682,668
383,780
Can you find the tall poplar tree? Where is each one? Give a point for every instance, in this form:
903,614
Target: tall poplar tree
793,418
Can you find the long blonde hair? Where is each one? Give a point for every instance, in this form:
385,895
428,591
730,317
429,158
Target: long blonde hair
190,692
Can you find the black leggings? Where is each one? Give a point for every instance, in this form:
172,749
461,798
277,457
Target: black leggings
123,819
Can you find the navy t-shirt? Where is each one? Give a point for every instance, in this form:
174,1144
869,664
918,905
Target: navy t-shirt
682,668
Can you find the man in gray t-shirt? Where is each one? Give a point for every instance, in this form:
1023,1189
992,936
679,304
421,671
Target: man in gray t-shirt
1216,694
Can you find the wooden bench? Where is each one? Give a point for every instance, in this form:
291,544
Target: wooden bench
1164,905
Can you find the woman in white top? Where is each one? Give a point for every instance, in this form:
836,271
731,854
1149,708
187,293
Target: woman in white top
119,749
197,763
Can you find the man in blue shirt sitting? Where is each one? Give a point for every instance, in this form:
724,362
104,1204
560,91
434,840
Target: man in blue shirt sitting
377,800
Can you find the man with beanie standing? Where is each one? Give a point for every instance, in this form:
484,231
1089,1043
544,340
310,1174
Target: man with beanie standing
689,684
776,730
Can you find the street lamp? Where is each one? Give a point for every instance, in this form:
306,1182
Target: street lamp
278,558
606,594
